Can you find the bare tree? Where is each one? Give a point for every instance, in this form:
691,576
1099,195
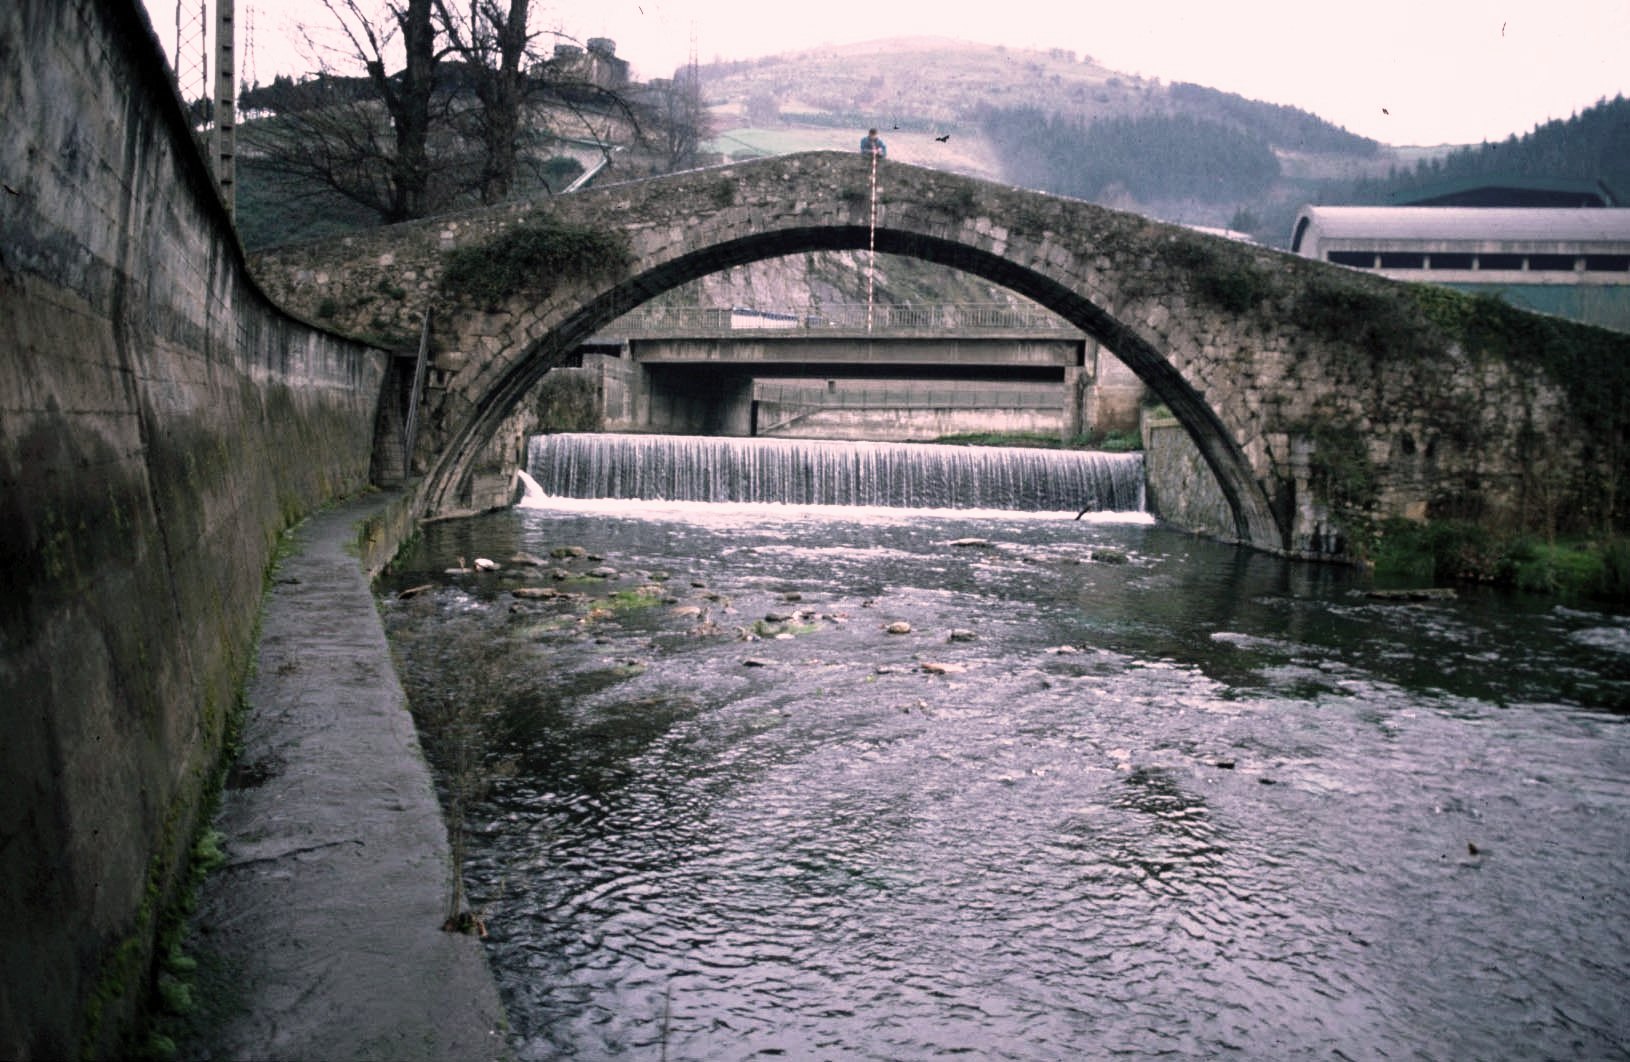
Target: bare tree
505,69
454,124
492,39
367,138
680,119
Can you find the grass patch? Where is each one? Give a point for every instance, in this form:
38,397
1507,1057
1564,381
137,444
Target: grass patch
630,600
1449,551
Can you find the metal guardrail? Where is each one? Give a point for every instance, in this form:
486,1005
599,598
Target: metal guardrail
947,319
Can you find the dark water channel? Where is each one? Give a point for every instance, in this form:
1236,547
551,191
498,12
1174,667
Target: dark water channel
1117,792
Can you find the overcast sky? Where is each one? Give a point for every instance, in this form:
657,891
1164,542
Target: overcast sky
1401,71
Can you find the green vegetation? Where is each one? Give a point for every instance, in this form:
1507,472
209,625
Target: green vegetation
1591,366
1228,280
1341,471
1588,363
169,984
1462,551
1281,126
560,171
1589,146
630,600
567,400
1341,307
1161,156
533,258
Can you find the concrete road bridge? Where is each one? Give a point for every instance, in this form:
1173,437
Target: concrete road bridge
888,372
1320,398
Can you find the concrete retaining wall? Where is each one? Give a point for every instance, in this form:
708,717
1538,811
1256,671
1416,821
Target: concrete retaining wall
160,423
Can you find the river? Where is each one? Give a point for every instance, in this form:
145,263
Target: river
1115,792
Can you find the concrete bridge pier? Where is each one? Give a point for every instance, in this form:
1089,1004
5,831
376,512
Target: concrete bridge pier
686,403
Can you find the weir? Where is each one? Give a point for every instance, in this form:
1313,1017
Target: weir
805,472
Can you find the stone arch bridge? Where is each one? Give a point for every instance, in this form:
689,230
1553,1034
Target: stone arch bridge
1322,399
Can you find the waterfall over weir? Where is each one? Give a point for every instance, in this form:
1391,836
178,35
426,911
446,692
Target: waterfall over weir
804,472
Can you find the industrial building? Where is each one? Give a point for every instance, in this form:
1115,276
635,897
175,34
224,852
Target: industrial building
1569,261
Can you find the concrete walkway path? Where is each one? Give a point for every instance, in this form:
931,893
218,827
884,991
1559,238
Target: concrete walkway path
320,938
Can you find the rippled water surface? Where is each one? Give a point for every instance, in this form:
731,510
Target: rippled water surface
1116,792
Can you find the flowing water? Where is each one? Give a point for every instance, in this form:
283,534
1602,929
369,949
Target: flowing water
799,471
1116,791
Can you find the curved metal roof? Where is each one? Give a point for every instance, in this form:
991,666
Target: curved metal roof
1548,192
1481,224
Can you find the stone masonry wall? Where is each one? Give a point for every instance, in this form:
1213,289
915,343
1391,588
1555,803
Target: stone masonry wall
1323,400
1179,486
160,423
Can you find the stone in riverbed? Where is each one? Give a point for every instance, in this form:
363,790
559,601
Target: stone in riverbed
1422,593
898,627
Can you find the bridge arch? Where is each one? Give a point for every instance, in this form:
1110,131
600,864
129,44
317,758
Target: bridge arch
1323,399
983,250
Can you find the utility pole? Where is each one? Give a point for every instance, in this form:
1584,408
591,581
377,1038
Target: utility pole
224,143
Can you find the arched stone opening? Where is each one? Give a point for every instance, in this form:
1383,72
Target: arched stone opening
506,382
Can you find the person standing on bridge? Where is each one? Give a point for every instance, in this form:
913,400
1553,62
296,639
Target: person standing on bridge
872,144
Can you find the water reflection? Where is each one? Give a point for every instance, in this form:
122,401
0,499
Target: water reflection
1164,797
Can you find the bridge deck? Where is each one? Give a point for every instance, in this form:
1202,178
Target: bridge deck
846,320
994,352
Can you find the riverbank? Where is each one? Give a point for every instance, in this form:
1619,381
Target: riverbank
319,936
1453,551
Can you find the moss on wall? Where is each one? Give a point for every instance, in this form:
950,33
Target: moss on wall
532,258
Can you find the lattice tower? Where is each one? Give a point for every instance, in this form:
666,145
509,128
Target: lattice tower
192,49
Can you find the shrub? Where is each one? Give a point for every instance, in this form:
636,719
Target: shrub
568,400
533,258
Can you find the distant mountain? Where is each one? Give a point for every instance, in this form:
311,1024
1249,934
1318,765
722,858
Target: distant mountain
920,83
1050,120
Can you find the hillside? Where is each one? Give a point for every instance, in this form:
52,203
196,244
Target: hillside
1593,145
1003,111
1050,120
1020,117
